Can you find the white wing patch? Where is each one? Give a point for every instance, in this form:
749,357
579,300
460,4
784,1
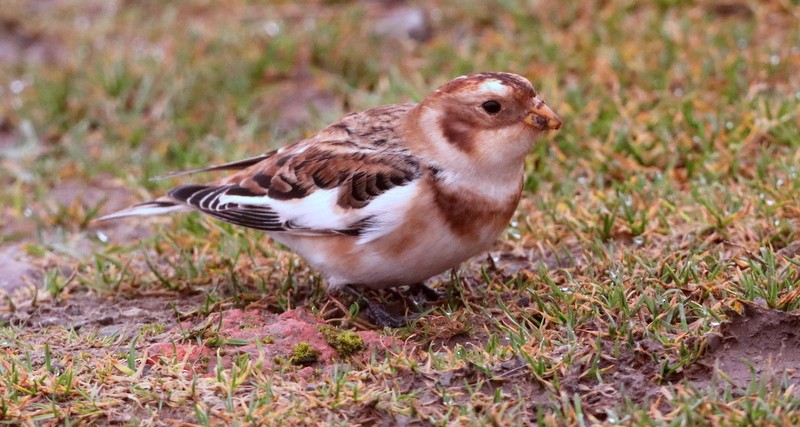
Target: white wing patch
320,212
388,211
317,211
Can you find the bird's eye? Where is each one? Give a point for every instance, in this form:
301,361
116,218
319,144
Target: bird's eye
491,107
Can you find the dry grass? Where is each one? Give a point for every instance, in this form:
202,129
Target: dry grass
668,203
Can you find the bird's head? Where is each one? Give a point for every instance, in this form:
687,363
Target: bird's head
486,118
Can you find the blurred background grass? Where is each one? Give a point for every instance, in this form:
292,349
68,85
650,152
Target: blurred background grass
671,194
129,90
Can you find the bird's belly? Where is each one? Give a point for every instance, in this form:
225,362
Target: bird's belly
437,232
410,254
427,257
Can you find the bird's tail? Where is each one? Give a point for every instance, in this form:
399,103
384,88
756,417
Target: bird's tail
154,207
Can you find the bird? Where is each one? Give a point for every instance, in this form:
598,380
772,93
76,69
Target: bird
386,197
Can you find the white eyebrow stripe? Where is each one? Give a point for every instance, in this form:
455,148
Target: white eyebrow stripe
494,86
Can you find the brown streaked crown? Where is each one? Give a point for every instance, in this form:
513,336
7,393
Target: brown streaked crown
472,81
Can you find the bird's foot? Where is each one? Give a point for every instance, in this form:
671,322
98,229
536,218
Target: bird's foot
377,313
382,318
426,292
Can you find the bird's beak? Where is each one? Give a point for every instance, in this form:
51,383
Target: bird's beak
542,117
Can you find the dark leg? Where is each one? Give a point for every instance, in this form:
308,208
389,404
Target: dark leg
430,294
375,311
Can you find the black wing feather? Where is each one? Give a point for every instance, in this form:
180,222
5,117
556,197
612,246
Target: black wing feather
207,200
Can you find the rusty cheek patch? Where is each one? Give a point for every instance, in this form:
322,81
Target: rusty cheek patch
461,125
457,131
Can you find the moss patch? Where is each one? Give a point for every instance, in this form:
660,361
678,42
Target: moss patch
346,343
304,354
152,329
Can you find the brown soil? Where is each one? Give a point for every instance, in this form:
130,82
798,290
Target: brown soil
759,343
109,316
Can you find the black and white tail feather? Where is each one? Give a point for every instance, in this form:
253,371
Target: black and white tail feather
160,206
170,204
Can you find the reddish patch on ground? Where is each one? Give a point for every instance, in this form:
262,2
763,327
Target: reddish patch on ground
268,336
195,357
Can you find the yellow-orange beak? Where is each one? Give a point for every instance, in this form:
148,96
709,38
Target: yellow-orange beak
542,117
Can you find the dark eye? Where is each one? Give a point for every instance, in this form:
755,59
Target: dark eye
491,107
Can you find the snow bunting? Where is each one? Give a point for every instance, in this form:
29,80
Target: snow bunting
389,196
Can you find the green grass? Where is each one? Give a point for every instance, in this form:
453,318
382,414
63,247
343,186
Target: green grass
670,198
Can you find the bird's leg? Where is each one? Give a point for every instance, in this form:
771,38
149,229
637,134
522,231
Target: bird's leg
426,291
376,312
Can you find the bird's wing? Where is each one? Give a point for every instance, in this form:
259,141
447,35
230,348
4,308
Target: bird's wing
345,180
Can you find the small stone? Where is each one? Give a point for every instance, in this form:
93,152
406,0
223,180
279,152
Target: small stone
49,321
105,320
402,21
79,324
713,342
15,267
133,312
110,331
306,374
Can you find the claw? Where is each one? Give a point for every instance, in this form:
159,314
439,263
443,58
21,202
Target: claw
376,312
430,294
